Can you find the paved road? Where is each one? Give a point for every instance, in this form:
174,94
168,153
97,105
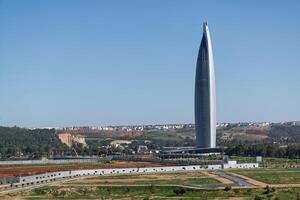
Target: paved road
235,179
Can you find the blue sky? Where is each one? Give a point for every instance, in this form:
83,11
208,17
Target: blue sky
71,62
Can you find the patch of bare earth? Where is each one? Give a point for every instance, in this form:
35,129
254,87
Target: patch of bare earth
293,185
110,181
143,178
27,170
11,198
14,196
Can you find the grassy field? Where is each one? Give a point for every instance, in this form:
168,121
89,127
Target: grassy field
181,185
190,178
272,176
150,192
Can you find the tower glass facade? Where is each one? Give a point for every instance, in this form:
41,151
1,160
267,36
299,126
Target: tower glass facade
205,94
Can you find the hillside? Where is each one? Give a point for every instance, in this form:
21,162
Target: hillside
275,133
23,143
20,142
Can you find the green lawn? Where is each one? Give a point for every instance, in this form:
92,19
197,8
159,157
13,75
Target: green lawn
272,176
156,192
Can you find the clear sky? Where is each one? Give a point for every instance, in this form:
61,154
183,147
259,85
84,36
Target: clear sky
71,62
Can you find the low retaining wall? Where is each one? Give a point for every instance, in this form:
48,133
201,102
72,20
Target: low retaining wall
76,173
241,165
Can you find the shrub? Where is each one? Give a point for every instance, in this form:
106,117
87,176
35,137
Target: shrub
249,191
257,197
268,189
179,191
227,188
152,188
127,189
109,189
40,191
236,191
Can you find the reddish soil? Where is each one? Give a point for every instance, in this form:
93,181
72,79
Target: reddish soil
27,170
112,133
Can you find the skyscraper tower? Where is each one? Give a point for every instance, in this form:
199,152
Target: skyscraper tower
205,94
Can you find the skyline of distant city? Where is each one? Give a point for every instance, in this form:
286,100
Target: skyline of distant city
159,125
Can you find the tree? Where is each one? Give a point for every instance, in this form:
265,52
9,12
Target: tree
179,191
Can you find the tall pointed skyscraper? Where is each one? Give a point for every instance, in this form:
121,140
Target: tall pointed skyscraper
205,94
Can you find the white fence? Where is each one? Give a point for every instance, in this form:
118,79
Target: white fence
241,165
100,172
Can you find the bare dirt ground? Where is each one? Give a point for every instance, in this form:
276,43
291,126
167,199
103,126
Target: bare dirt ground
293,185
27,170
129,181
16,195
144,178
6,197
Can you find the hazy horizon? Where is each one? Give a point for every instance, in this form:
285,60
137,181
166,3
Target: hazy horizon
76,63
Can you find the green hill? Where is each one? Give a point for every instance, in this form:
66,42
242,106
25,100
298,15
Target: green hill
20,142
